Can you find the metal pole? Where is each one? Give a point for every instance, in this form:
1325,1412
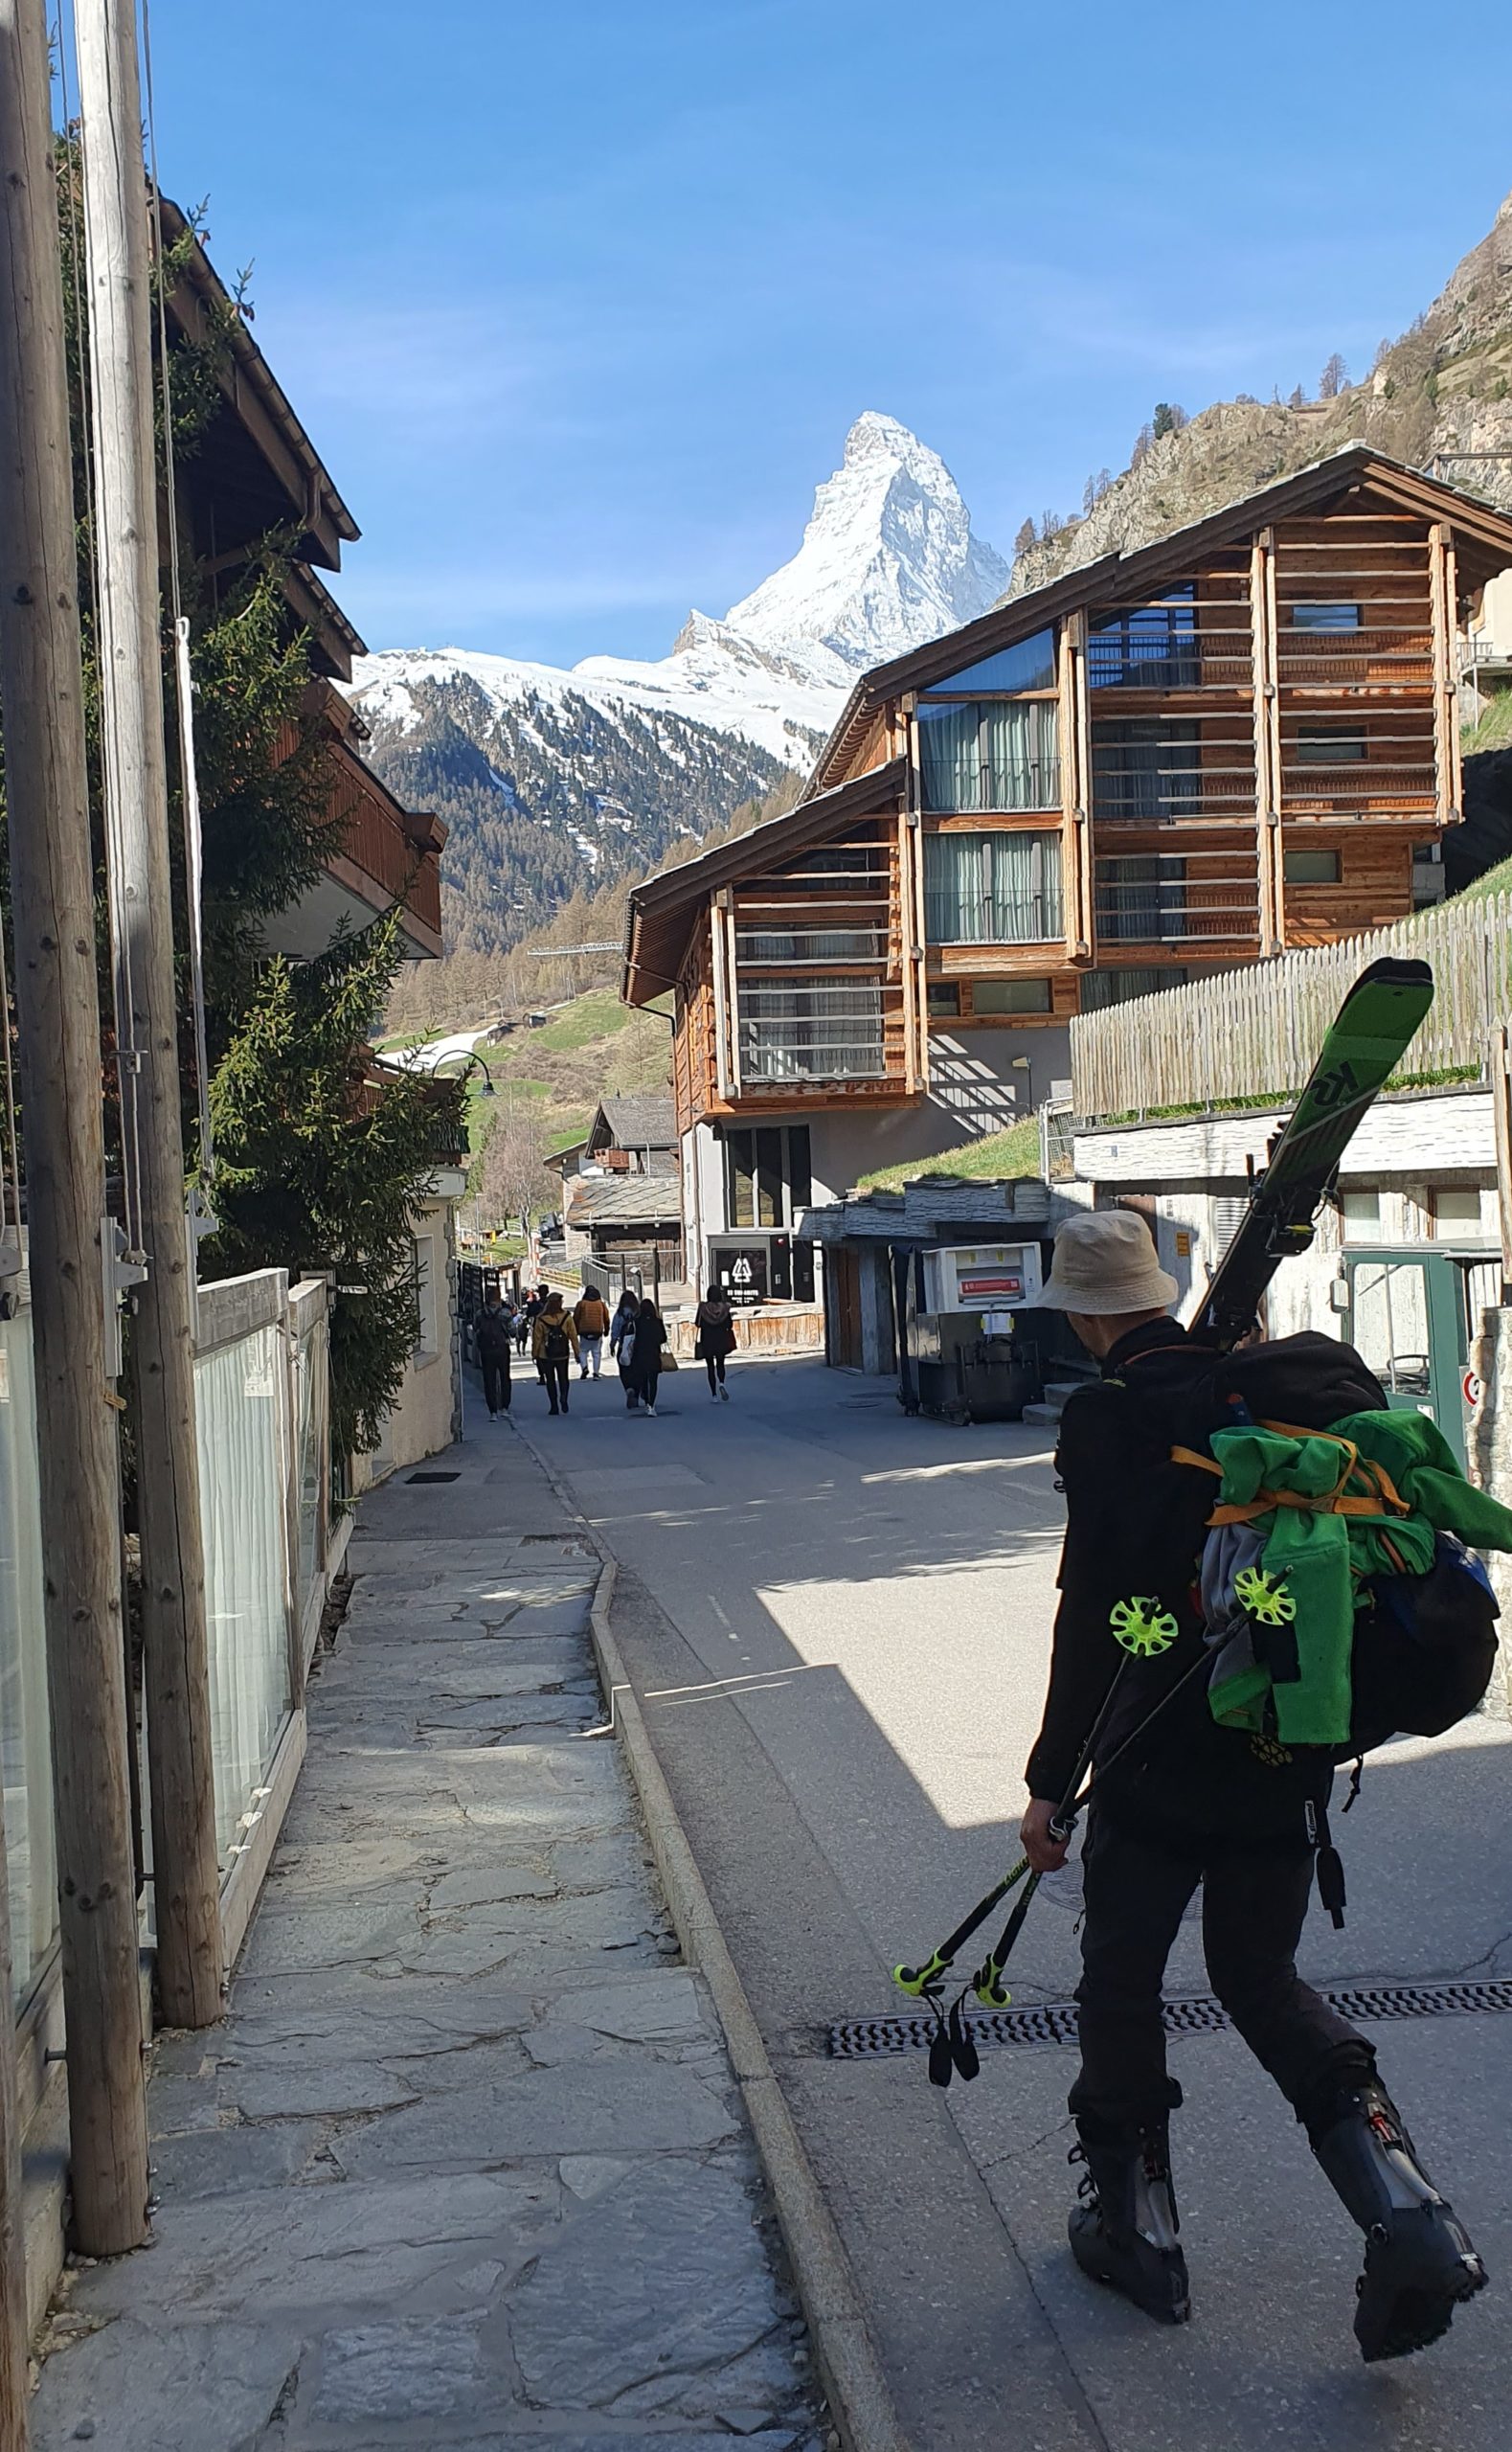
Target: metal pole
176,1648
52,900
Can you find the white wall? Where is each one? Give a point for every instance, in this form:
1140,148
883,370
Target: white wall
1406,1148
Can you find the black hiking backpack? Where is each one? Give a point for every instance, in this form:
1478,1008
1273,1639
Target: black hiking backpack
1425,1645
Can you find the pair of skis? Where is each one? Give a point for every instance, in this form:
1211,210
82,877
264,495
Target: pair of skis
1365,1042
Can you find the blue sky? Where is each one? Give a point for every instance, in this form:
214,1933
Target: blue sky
577,301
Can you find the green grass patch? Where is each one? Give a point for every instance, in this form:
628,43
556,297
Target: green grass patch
1496,880
600,1014
998,1155
1494,730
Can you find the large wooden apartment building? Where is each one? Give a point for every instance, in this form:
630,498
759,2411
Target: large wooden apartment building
1242,739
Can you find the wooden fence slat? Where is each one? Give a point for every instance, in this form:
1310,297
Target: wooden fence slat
1256,1033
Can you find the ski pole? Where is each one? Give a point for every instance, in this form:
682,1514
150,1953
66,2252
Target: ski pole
916,1979
987,1982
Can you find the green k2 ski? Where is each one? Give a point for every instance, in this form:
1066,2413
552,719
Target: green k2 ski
1366,1043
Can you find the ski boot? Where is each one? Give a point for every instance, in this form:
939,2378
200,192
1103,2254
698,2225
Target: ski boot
1123,2230
1419,2263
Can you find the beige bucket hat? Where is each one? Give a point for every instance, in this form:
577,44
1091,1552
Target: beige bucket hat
1106,1262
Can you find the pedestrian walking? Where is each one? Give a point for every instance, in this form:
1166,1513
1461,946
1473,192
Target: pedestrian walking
524,1322
621,1343
1185,1801
591,1319
535,1305
715,1322
554,1344
494,1331
645,1356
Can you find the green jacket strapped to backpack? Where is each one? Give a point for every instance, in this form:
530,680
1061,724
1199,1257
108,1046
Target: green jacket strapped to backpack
1365,1498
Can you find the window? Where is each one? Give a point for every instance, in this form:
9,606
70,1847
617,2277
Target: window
1360,1215
1456,1215
838,859
989,753
811,944
1147,770
1326,617
1310,868
767,1175
944,996
992,889
427,1339
1010,997
1100,989
1142,900
1326,745
1150,647
1030,664
826,1029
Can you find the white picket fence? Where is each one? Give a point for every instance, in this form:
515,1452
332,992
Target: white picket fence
1255,1034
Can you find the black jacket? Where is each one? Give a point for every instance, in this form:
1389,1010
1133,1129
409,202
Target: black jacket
495,1335
1135,1525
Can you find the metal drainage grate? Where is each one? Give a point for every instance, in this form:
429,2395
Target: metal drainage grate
433,1477
1055,2021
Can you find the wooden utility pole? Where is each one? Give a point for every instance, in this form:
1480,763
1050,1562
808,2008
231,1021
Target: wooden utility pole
52,903
175,1656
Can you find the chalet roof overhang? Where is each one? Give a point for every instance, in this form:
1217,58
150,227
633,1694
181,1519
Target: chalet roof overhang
272,472
1483,539
664,908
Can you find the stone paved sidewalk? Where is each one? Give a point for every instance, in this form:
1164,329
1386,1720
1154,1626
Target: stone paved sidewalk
465,2164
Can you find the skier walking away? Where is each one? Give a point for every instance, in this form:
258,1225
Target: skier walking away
715,1321
554,1344
494,1331
1187,1802
591,1319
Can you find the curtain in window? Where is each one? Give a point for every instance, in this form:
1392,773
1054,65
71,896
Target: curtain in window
994,753
826,1029
1019,747
992,889
951,752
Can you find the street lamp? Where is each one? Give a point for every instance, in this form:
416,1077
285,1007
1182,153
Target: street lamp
475,1062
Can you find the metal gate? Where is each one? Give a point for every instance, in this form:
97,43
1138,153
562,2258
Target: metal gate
1414,1316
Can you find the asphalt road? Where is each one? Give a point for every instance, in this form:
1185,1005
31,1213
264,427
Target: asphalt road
839,1621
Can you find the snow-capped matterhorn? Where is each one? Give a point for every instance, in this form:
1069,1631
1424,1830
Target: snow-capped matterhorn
550,777
888,560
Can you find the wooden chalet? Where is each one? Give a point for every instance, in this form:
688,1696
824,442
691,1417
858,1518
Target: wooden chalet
254,474
1242,739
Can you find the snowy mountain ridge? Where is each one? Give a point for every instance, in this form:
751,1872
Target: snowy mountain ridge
617,756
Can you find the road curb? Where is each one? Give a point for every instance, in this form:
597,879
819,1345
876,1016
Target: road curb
860,2400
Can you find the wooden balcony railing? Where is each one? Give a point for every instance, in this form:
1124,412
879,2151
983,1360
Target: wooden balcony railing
399,849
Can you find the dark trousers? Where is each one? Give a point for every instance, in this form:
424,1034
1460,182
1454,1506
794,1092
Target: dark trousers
714,1365
555,1379
496,1389
1254,1898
